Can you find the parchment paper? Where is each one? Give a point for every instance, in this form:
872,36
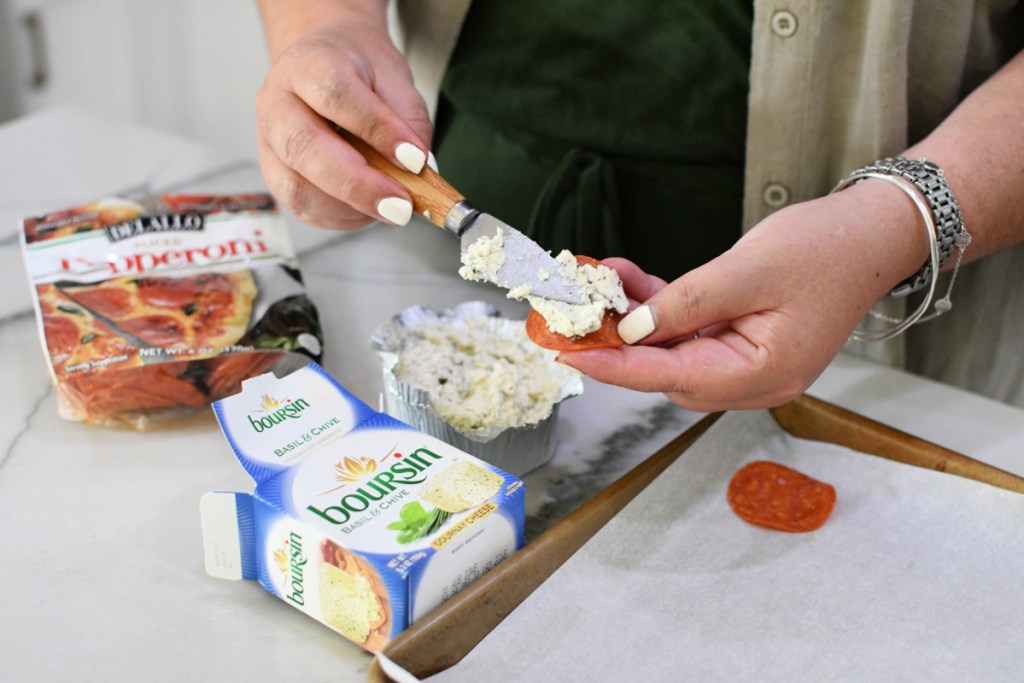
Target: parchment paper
917,575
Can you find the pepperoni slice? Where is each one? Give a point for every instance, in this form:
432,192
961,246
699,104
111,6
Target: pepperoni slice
143,388
227,372
170,292
604,337
775,496
209,203
156,329
108,301
62,335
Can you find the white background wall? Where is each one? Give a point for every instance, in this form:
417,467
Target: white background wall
190,67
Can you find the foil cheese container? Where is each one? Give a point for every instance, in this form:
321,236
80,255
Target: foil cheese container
473,379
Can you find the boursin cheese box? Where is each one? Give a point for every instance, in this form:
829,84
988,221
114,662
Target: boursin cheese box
357,519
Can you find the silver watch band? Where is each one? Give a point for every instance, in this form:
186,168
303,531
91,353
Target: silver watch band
929,179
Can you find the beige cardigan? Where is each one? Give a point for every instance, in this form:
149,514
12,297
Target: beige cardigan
833,85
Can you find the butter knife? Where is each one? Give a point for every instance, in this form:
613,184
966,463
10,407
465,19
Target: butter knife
525,264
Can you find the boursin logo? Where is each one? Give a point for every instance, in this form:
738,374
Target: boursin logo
364,481
273,412
291,561
146,225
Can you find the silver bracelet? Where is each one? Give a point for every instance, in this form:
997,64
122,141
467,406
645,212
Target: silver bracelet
931,182
926,186
933,257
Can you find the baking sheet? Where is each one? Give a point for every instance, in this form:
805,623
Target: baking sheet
917,574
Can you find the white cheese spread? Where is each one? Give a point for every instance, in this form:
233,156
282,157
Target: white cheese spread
480,379
601,289
483,259
600,286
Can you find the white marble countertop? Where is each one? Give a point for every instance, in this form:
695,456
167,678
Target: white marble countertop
103,575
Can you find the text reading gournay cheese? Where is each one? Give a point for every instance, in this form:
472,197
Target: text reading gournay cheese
357,519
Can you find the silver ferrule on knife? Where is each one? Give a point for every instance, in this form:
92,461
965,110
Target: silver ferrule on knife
460,217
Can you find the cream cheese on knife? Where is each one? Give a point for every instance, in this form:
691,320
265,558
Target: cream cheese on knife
600,286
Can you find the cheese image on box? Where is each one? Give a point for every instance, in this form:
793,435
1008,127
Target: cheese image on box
461,486
357,519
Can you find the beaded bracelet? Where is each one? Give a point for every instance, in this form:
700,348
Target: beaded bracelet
926,185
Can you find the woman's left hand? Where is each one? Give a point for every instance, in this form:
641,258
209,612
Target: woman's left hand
770,313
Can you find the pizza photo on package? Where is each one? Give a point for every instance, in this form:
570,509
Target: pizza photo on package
150,310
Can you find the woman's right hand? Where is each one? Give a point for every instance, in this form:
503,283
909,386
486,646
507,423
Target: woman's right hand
344,73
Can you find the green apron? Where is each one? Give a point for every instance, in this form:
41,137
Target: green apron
612,128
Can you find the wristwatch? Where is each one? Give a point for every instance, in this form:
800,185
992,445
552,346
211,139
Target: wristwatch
929,179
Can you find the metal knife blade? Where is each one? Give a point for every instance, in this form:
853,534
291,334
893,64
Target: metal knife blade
525,264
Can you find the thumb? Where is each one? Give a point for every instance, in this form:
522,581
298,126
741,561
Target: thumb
713,293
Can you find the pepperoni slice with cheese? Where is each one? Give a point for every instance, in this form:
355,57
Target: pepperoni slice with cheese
604,337
771,495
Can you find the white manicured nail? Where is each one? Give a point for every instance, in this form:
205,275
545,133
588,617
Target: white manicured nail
410,156
636,325
395,210
432,161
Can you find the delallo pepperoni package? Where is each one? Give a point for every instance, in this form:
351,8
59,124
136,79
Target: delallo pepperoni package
151,309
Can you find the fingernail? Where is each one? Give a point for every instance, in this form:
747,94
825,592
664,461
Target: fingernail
637,325
432,161
410,156
395,210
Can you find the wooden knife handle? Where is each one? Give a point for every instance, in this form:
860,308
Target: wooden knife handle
432,196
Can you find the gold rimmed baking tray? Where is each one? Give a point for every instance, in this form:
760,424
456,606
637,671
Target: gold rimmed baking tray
444,636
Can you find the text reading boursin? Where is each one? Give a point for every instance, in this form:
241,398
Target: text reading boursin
409,471
296,569
289,410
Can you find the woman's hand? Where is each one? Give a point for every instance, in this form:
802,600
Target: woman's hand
770,313
343,72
